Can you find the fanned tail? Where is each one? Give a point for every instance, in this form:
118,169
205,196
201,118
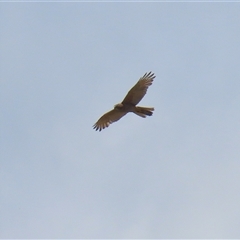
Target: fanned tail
144,111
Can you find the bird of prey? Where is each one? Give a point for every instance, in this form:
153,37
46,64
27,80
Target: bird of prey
133,97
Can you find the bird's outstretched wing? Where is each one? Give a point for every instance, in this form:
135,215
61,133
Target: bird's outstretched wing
108,118
137,92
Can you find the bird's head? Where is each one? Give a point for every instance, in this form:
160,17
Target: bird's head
118,106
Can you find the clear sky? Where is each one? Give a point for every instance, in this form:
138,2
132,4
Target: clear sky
173,175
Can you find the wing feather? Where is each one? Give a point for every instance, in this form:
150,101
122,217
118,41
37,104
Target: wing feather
108,118
137,92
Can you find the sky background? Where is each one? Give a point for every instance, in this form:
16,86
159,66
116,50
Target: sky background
173,175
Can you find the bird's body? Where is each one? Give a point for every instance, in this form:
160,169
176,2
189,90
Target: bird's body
125,107
133,97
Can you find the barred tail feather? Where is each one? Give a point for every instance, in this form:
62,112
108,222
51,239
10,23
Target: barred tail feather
144,111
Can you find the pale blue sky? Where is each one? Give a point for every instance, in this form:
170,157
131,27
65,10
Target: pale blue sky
173,175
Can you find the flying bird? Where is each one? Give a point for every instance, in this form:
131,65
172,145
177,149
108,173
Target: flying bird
133,97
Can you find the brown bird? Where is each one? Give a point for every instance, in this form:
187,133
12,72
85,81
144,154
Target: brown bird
133,97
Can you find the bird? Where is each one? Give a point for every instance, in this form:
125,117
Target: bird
133,97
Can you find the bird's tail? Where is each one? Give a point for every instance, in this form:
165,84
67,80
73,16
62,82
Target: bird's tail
144,111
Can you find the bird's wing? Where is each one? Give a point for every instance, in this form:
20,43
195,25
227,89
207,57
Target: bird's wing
108,118
137,92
